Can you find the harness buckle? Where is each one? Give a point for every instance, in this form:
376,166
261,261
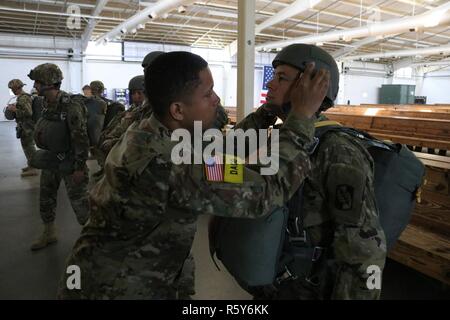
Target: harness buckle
286,275
61,156
297,237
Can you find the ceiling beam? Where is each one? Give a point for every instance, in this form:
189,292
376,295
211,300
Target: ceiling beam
354,46
402,53
387,27
148,13
100,5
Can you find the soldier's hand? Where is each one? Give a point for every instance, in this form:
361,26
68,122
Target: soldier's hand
274,110
78,176
107,145
12,107
309,90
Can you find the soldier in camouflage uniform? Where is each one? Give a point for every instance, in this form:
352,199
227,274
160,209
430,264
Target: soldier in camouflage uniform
61,132
113,107
144,211
25,125
340,216
138,110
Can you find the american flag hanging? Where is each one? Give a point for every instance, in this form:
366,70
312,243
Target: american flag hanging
267,76
214,169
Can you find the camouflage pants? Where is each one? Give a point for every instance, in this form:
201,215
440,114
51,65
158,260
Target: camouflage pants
77,193
28,146
109,274
186,282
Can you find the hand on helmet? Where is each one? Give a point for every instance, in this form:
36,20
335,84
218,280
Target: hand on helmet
309,91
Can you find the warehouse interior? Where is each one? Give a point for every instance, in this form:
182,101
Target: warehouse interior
394,62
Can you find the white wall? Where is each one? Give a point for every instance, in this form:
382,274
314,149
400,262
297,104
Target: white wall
360,89
114,75
19,68
436,86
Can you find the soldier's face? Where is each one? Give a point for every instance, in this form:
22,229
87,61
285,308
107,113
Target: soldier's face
87,92
202,104
137,97
280,86
37,85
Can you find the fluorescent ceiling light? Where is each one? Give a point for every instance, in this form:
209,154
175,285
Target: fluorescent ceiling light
222,14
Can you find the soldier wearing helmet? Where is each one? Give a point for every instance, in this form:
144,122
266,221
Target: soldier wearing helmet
22,112
61,134
113,107
138,109
336,210
149,58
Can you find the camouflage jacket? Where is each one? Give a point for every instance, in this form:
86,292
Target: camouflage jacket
340,214
76,123
144,211
123,120
24,110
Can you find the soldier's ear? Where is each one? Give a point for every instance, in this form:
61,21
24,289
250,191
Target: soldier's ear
176,111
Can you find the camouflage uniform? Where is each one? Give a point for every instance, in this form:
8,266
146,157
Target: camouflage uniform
340,215
120,124
25,125
51,179
144,212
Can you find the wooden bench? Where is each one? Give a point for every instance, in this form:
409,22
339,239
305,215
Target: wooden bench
430,133
412,107
357,110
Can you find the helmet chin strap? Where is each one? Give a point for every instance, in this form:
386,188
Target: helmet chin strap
43,89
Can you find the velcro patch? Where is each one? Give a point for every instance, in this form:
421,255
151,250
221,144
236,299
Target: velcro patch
345,188
234,171
214,169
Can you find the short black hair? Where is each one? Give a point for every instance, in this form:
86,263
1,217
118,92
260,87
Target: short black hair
86,87
172,77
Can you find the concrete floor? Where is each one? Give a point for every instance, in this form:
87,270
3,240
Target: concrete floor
34,275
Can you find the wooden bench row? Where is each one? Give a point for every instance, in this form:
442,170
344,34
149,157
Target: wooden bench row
357,110
423,132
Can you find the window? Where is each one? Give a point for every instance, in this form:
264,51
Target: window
403,73
106,51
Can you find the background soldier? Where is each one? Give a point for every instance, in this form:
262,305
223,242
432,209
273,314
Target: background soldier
25,125
87,91
62,134
113,107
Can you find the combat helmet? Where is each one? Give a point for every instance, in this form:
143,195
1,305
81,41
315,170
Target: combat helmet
15,83
136,83
299,55
47,73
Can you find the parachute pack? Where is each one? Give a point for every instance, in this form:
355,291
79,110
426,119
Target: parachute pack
257,251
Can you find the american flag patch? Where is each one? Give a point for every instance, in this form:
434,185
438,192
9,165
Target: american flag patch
214,169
